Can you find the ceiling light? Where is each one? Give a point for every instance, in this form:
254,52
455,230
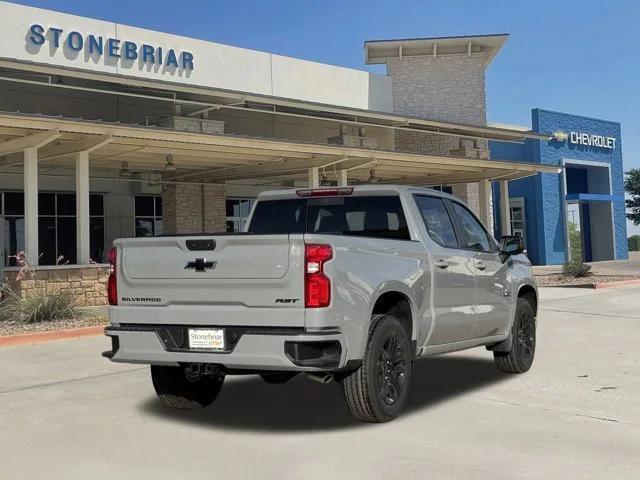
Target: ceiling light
170,165
124,171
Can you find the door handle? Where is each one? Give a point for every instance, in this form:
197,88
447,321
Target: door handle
481,266
441,264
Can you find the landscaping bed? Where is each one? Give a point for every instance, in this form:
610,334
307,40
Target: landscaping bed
10,327
590,281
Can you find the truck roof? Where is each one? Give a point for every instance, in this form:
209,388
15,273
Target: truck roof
369,189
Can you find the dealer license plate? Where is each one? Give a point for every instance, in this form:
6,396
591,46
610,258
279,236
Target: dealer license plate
206,338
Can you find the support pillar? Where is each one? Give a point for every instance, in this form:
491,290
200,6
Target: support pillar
342,178
314,177
485,212
31,205
82,208
505,208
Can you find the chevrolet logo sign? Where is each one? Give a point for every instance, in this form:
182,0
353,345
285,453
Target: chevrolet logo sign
200,264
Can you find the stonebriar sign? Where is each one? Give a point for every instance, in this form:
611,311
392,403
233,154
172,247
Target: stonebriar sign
97,45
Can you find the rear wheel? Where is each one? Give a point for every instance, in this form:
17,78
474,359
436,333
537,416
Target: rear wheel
377,391
181,389
523,341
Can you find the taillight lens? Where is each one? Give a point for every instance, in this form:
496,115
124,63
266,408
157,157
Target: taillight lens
112,284
317,286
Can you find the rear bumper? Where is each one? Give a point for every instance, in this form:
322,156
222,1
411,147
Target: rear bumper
250,348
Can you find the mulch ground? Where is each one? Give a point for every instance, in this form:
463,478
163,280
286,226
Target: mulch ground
557,280
16,328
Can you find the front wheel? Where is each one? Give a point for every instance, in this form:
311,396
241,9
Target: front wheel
377,391
523,341
181,389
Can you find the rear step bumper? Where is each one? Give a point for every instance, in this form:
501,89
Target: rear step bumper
248,348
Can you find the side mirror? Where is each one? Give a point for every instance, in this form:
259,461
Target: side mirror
512,245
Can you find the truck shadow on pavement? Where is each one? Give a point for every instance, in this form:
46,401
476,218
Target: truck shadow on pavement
248,403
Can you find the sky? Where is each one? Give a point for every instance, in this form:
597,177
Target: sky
579,57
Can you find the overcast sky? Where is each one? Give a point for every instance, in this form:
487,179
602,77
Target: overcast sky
573,56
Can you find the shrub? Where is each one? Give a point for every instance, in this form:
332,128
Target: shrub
634,243
576,269
38,306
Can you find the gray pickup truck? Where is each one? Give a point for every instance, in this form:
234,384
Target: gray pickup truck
348,284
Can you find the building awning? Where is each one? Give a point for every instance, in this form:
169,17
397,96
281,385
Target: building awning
198,100
218,158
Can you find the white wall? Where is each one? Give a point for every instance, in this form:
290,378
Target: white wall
215,65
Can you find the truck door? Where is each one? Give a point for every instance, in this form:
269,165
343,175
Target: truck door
453,286
492,288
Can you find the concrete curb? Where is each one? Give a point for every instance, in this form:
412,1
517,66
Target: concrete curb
621,283
52,335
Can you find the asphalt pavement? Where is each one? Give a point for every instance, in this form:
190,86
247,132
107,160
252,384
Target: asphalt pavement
69,414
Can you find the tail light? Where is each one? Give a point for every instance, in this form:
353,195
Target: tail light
112,283
317,286
324,192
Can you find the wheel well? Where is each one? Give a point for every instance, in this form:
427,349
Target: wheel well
396,303
528,292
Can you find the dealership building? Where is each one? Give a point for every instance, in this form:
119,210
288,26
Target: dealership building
111,131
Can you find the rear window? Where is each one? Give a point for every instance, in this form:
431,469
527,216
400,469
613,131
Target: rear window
366,216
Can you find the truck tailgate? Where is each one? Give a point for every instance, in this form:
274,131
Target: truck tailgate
221,280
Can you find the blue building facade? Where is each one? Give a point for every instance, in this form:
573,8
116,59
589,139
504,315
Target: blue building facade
588,193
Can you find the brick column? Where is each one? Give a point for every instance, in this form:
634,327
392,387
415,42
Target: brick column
449,88
193,208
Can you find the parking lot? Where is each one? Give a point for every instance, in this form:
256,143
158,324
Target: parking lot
69,414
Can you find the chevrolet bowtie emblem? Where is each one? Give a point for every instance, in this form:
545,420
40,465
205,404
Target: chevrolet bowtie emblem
200,264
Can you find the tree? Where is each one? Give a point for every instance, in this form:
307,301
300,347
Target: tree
632,186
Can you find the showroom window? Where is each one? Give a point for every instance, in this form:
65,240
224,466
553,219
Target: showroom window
238,210
56,227
148,215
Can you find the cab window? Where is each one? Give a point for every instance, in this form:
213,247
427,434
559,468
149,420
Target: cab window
472,235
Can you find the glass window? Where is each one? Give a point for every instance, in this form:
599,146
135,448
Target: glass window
46,203
13,238
374,216
47,240
437,220
238,211
145,206
66,237
474,236
96,205
13,204
278,216
363,216
66,203
148,215
144,227
96,239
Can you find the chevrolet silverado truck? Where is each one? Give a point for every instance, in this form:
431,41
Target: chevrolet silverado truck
349,284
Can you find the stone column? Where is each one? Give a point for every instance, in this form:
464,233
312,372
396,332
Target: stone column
194,208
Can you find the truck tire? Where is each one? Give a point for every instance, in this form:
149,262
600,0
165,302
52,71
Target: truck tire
278,377
377,391
180,391
523,341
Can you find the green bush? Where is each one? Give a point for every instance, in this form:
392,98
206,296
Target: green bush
634,243
575,243
576,269
38,306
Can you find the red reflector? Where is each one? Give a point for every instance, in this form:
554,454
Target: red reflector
324,192
317,286
112,283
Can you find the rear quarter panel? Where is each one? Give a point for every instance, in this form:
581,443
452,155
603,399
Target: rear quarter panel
361,270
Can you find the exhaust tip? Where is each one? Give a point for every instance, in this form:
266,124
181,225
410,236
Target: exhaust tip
321,377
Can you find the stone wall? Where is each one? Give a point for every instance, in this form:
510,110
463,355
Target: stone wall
87,283
193,208
448,88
